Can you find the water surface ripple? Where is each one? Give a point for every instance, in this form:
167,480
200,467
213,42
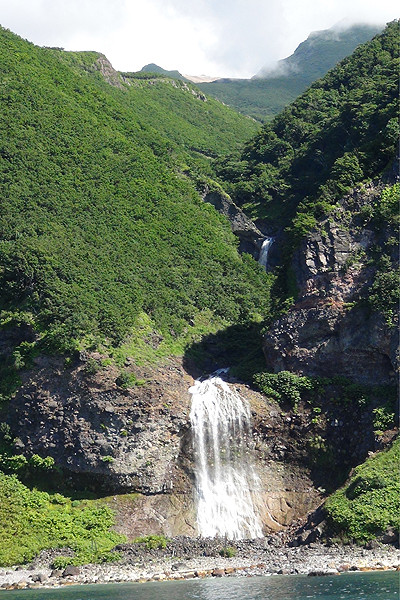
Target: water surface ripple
351,586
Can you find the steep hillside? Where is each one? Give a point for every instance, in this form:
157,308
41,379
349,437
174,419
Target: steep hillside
201,126
119,286
341,131
101,224
323,179
298,177
268,92
321,51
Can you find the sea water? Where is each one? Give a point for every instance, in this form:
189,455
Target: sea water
347,586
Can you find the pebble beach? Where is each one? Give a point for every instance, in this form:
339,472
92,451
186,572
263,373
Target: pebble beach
265,556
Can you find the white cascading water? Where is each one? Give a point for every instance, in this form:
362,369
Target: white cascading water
263,258
225,478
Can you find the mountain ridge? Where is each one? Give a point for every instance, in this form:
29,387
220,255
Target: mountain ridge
262,97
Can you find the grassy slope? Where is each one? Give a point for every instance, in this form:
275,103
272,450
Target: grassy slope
100,219
370,502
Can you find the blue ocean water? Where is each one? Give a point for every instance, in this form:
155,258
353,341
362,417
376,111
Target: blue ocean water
348,586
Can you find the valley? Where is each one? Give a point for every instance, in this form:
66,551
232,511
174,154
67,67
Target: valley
134,212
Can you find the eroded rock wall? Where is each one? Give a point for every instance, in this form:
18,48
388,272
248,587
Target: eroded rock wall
331,330
136,444
244,228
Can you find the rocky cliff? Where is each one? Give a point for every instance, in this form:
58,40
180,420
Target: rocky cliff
332,330
244,228
136,443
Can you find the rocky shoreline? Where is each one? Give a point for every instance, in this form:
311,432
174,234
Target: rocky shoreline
201,558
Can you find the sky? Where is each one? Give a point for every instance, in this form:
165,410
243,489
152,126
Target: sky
225,38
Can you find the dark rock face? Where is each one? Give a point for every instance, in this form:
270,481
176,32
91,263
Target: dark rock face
329,330
138,442
329,340
103,436
250,236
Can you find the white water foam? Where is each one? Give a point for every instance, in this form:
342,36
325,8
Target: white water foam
225,478
263,258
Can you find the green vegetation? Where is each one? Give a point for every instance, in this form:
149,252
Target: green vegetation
31,521
101,222
284,387
152,542
289,389
340,132
267,94
128,380
383,216
384,417
370,502
227,552
35,468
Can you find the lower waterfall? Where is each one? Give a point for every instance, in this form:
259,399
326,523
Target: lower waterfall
225,477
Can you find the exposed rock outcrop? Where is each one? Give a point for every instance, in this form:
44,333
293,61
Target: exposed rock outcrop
249,235
108,72
331,330
139,441
116,439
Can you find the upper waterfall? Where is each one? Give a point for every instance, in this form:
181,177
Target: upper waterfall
263,258
225,478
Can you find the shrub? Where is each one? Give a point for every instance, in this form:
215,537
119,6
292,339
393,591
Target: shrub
37,462
152,541
228,552
60,562
91,366
284,387
383,417
107,459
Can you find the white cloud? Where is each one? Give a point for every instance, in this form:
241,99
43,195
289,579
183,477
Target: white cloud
216,37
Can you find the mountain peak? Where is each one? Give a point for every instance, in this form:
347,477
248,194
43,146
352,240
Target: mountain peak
322,50
153,68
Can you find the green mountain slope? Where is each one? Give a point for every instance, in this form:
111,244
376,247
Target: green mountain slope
152,68
266,94
100,218
341,131
321,51
201,126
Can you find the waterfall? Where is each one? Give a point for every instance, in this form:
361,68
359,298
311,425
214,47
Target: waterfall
263,258
225,476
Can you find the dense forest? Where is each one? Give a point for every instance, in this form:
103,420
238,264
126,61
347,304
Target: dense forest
341,132
101,220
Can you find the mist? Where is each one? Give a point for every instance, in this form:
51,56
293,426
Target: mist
214,37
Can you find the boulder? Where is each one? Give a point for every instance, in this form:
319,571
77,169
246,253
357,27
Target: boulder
71,571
